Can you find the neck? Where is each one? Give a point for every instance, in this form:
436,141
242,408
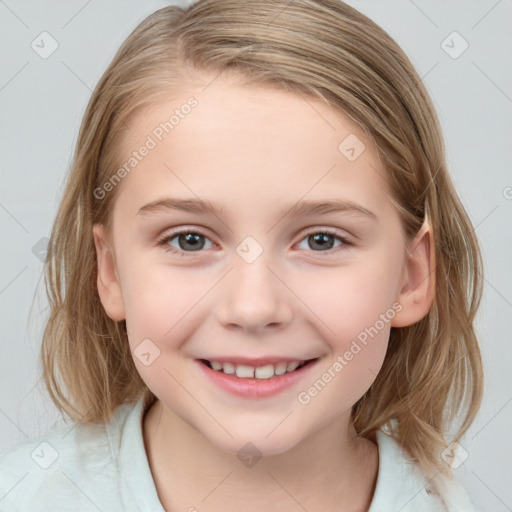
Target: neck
331,470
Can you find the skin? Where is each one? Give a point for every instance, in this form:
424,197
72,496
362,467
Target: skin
253,150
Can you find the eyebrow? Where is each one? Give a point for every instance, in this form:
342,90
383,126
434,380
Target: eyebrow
301,208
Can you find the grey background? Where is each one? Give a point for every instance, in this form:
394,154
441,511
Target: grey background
42,101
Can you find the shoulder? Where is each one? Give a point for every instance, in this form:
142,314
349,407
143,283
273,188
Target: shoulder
74,465
402,486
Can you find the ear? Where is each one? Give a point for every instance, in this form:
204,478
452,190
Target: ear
109,287
418,285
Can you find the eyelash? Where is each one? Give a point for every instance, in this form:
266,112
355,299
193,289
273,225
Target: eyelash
164,241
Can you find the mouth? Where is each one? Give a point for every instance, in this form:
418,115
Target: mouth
255,379
269,370
261,379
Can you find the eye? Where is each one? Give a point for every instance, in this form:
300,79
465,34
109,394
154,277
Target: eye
187,241
324,240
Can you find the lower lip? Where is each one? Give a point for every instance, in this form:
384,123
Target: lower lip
255,388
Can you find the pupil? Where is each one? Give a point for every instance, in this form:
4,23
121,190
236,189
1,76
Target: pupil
193,239
320,239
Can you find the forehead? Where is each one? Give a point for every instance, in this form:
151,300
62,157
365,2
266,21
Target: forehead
248,145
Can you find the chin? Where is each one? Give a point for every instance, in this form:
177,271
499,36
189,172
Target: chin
259,440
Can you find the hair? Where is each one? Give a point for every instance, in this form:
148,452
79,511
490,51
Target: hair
326,50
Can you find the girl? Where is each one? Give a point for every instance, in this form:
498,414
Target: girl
262,281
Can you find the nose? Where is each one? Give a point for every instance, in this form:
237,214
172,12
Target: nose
253,298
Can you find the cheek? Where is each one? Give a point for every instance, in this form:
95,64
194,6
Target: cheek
161,307
161,302
359,326
352,299
355,306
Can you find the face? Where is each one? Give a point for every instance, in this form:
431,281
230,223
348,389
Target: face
261,281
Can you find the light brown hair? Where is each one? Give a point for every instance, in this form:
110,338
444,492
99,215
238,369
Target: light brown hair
321,49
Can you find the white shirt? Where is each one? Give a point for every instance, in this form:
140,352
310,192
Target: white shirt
88,467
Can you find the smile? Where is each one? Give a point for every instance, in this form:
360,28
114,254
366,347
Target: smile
244,371
255,381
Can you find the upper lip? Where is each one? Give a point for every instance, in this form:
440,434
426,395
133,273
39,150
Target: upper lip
260,361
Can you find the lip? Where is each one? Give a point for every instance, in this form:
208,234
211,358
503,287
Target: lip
258,361
255,388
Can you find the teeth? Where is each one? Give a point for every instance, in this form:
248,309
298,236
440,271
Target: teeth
228,368
280,368
245,372
292,366
264,372
260,372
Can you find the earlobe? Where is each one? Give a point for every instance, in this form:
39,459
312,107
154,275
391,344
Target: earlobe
109,287
418,285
